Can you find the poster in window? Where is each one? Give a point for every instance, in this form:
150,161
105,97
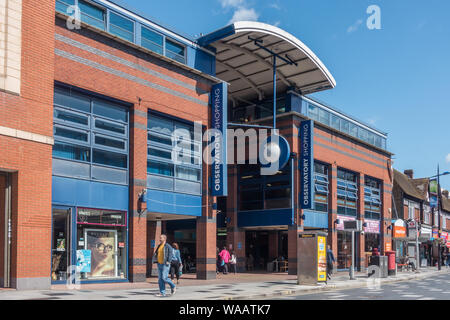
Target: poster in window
102,244
61,245
322,259
84,260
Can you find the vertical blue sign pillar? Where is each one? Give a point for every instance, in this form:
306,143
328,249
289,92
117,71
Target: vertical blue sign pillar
306,165
219,122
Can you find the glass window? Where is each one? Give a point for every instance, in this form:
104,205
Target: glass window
71,152
175,51
110,126
70,117
155,167
188,173
335,122
110,143
121,26
109,158
347,193
313,112
66,98
152,40
324,117
71,134
111,111
92,15
345,126
63,5
353,130
174,153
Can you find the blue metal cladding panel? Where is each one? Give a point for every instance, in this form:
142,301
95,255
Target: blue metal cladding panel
219,121
281,217
202,61
315,219
174,203
90,194
306,164
217,35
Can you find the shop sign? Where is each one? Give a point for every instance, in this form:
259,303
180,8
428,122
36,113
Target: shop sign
306,163
444,235
219,123
425,232
373,226
399,229
435,233
340,225
322,259
388,246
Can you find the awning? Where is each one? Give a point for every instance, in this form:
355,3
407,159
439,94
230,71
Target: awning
249,69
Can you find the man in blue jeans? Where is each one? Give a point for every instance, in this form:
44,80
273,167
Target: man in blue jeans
163,256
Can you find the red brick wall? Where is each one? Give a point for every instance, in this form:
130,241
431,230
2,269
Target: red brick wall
32,112
115,86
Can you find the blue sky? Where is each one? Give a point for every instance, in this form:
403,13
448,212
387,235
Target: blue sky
395,78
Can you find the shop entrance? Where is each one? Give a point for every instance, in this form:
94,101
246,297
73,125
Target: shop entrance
5,234
344,244
257,249
61,253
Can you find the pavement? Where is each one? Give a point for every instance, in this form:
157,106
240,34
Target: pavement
430,288
245,286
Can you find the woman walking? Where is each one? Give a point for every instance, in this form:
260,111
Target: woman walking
176,264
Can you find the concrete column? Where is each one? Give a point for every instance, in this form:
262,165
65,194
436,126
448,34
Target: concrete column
273,245
206,233
235,235
137,259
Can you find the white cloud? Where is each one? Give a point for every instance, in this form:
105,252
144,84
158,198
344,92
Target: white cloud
447,158
231,3
355,26
244,14
242,11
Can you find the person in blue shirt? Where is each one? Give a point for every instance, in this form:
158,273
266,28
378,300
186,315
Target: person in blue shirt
176,264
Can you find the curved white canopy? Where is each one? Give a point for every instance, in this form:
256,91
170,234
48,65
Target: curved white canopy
249,69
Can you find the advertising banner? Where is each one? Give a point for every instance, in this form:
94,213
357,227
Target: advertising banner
83,260
433,201
306,164
340,225
102,245
219,122
373,226
433,186
322,259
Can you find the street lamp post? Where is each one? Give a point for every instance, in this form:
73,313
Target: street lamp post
439,212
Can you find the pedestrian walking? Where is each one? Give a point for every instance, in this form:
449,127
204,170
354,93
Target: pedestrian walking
225,259
448,259
330,261
162,257
176,265
233,262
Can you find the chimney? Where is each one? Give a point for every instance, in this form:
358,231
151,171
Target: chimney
409,173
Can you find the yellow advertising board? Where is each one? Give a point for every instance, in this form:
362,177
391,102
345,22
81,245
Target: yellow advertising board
322,259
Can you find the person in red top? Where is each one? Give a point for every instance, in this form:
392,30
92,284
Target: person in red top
225,257
375,252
